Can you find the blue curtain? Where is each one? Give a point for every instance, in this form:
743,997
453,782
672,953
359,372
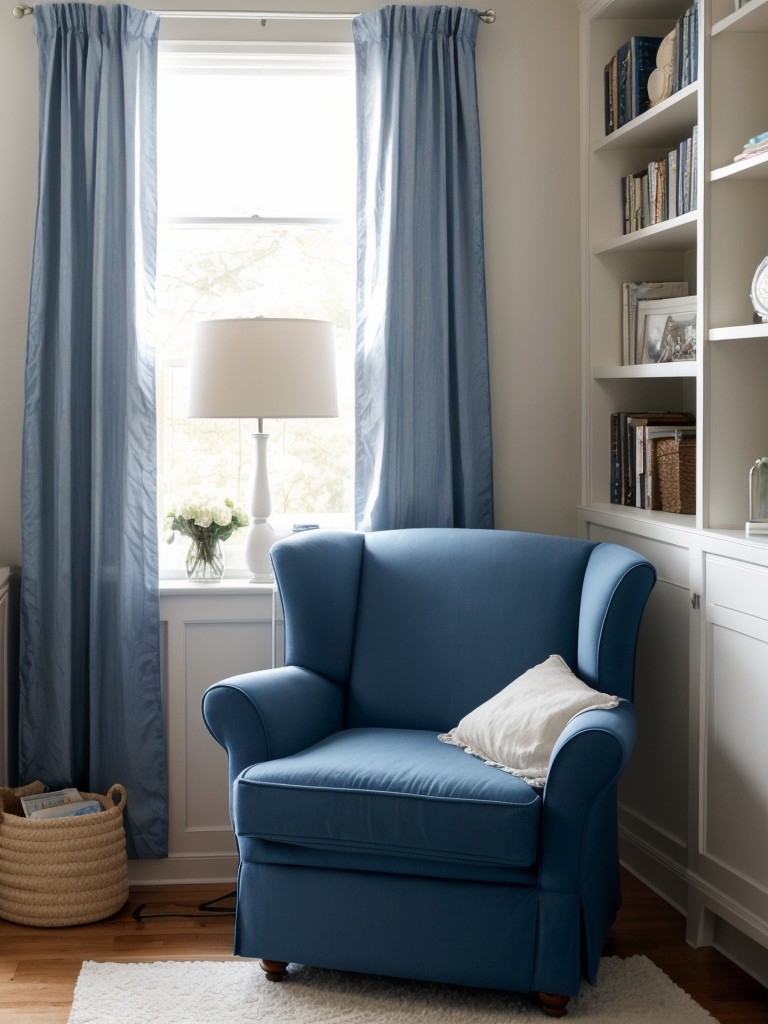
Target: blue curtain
423,445
90,695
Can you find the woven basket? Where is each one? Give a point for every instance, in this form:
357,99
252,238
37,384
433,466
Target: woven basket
56,872
675,461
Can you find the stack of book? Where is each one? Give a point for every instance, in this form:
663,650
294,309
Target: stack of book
664,188
753,147
633,439
685,68
626,80
627,73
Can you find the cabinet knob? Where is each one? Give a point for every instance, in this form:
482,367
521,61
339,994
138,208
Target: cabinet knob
695,601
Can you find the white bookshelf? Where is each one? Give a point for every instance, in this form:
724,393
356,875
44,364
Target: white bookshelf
716,248
706,626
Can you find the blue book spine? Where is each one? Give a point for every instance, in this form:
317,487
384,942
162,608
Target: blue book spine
642,61
624,101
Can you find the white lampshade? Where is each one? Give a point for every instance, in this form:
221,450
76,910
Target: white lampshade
263,368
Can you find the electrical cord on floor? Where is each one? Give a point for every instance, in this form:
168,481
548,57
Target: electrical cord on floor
208,907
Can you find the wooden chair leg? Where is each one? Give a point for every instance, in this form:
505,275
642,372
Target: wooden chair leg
553,1005
275,970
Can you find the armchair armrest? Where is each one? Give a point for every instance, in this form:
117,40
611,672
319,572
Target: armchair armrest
586,762
263,715
616,587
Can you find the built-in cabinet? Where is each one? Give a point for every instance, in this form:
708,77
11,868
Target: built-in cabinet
694,801
729,831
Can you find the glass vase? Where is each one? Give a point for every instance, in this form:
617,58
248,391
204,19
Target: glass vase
205,561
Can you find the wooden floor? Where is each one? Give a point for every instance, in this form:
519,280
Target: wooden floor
39,967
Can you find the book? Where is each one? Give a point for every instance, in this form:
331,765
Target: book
617,456
672,183
642,61
611,85
42,801
622,84
70,810
657,191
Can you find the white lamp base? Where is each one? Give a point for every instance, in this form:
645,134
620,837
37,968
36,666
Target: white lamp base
261,536
260,539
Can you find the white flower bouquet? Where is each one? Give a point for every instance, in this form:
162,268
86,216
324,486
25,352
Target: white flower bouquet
207,522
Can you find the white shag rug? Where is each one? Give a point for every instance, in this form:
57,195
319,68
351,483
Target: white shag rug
629,991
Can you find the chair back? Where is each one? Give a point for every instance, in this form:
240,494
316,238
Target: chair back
446,618
423,625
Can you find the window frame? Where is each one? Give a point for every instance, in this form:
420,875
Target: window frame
239,57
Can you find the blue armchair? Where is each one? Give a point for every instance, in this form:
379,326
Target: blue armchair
368,845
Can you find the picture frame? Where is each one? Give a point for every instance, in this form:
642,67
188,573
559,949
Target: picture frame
666,330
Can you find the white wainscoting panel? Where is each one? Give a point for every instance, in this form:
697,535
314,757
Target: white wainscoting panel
210,632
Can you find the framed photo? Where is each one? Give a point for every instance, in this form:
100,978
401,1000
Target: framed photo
666,330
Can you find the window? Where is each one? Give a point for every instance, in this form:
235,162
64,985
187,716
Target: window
256,207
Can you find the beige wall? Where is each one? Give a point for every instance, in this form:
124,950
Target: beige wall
18,189
528,78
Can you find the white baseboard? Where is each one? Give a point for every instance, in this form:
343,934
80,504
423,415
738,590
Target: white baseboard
733,933
192,869
662,873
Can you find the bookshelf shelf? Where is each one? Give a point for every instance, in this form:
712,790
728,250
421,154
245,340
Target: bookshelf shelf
676,235
627,514
660,126
753,17
753,169
742,332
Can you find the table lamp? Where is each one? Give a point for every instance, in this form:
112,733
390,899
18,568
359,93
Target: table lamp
261,369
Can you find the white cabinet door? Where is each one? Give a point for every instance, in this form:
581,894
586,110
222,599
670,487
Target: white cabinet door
730,863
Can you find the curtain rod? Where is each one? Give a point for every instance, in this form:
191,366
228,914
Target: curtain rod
486,16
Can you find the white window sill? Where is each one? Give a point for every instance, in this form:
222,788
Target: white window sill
232,586
173,576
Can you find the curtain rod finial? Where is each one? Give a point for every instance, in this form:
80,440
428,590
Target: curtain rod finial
488,17
19,11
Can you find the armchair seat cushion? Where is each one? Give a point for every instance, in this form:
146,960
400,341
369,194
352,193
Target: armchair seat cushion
397,792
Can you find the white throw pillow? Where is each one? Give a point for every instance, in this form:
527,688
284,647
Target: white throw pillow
516,730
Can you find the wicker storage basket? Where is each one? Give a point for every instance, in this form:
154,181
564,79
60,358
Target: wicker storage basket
56,872
675,460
